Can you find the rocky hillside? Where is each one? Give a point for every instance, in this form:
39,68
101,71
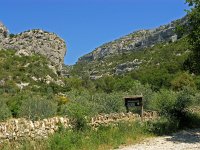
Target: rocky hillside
27,72
135,41
35,42
143,52
30,60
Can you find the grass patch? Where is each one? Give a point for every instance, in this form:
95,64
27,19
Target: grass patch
106,137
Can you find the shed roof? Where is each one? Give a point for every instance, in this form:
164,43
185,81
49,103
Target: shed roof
133,97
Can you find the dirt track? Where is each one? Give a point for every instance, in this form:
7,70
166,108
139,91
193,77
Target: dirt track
184,140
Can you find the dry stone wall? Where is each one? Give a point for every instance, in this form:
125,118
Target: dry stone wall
106,119
14,129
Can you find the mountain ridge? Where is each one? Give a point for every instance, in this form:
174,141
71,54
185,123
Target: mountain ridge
134,41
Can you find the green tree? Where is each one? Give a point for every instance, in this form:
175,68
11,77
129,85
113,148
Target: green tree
193,30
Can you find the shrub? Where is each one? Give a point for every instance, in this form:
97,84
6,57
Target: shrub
163,102
5,112
109,103
73,82
197,82
192,120
106,84
37,107
182,80
163,126
125,83
98,102
196,99
180,110
12,35
78,113
14,102
173,105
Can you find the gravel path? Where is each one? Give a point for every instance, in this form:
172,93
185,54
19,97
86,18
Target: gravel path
184,140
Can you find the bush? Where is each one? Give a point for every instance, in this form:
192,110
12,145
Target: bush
97,103
197,82
180,110
173,105
37,107
196,99
163,126
163,102
109,103
73,83
5,112
106,84
78,113
182,80
125,83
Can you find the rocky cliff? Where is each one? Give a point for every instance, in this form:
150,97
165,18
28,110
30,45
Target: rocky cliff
3,31
135,41
35,41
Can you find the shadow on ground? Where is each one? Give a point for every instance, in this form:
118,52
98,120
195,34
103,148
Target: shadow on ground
189,136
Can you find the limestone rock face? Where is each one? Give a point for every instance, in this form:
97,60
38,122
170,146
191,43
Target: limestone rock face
35,42
3,31
127,67
135,41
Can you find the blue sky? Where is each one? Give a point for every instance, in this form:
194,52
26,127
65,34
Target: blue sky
86,24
